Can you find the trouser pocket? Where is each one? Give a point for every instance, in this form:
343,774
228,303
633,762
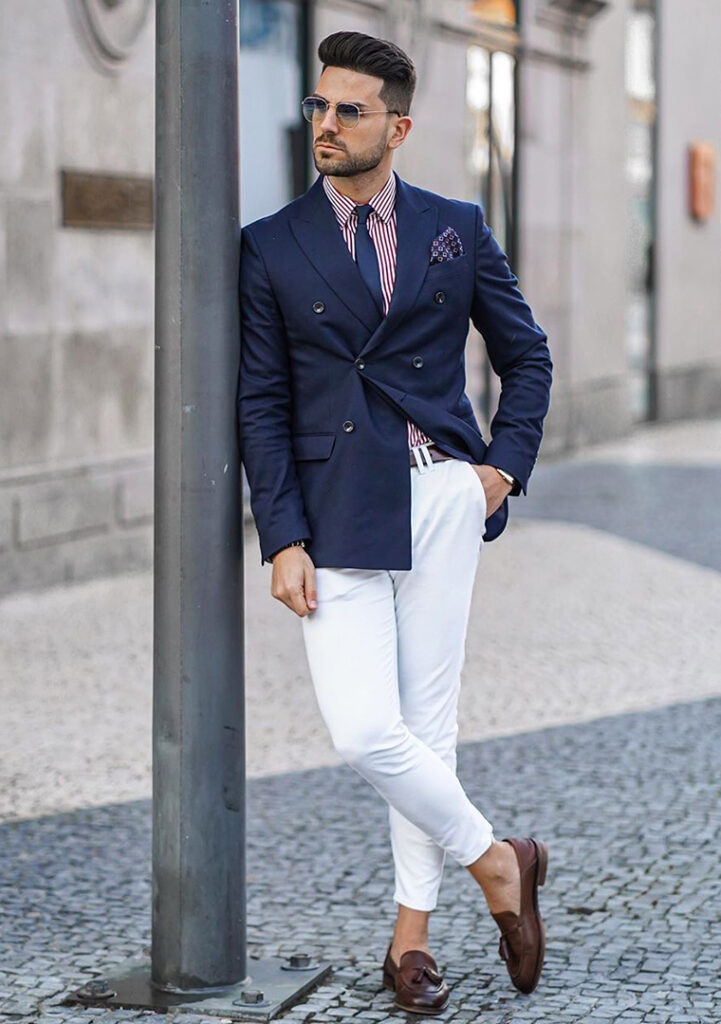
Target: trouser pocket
478,483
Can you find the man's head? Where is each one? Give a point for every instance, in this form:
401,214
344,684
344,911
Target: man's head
378,77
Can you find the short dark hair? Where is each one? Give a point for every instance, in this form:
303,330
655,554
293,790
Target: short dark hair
372,56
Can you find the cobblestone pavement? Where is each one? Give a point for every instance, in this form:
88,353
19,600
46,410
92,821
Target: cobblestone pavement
629,806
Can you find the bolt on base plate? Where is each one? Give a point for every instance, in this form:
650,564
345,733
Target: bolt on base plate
272,985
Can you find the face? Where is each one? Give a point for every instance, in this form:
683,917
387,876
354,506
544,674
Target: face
344,152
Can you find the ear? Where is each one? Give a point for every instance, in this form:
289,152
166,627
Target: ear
402,127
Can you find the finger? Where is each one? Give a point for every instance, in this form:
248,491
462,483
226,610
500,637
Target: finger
296,595
311,593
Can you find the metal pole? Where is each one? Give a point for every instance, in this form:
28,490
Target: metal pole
198,905
198,951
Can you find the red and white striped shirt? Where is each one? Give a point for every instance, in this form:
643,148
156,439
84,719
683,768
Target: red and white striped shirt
382,229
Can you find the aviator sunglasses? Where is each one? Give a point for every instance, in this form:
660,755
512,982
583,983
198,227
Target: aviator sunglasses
348,114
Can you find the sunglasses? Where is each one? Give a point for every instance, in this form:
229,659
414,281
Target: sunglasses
347,114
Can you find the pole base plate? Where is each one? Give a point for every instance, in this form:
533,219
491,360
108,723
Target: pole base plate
272,986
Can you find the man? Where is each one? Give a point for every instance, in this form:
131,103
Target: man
371,486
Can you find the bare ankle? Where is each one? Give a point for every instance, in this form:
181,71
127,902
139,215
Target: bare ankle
495,865
411,929
398,948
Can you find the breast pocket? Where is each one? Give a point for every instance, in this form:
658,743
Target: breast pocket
317,445
457,264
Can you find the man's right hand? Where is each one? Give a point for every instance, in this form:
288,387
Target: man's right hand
293,580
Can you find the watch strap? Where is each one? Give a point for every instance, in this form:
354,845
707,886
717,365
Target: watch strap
292,544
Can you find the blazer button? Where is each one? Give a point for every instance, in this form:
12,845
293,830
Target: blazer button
318,307
439,297
417,362
360,363
348,425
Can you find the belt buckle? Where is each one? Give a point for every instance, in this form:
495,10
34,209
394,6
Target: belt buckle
425,463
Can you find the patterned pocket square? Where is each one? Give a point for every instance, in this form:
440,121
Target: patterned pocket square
446,246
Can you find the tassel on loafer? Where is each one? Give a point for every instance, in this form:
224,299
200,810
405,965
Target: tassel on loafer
416,981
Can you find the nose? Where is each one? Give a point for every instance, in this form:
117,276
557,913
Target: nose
329,123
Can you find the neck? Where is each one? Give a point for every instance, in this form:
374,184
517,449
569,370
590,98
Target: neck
361,187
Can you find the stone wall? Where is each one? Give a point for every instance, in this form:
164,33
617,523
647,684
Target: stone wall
572,199
688,309
76,304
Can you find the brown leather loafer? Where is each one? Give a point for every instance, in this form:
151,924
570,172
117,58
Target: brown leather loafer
418,986
523,936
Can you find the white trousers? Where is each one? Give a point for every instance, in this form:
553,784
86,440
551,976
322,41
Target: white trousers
385,649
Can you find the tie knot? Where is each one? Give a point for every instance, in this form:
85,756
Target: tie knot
363,212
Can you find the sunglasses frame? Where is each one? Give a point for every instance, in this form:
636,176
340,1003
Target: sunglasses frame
344,103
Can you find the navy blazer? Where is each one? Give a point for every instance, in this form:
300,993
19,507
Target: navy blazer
325,387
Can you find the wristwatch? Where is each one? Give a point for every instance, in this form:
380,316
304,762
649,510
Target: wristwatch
292,544
509,479
506,476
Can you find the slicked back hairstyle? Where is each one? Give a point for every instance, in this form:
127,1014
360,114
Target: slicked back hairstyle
372,56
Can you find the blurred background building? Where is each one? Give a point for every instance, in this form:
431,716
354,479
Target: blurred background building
588,129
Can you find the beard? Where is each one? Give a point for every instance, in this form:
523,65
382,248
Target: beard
344,165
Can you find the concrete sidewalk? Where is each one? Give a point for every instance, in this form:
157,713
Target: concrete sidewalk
601,599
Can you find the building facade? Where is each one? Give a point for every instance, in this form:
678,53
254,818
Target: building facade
588,129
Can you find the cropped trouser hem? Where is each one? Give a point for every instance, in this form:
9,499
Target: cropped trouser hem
487,844
412,901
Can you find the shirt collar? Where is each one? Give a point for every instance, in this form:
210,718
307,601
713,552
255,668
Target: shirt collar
382,202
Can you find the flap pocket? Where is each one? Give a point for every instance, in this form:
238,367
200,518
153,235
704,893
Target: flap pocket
312,446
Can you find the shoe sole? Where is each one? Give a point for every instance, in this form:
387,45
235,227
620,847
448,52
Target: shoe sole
425,1013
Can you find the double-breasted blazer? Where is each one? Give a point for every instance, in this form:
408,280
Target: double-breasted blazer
325,386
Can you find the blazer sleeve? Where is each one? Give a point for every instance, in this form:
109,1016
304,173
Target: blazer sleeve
518,351
264,408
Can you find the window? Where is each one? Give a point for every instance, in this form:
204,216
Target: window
271,86
490,167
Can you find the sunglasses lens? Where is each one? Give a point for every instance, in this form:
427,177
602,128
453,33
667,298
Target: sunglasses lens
313,108
347,114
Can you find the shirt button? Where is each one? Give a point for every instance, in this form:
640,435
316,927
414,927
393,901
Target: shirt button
318,307
348,425
418,362
360,363
439,297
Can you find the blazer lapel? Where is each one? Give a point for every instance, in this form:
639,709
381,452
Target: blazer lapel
316,229
319,236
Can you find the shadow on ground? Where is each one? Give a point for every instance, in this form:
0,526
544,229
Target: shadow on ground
668,507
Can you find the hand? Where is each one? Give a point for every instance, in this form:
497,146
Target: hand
293,580
494,485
